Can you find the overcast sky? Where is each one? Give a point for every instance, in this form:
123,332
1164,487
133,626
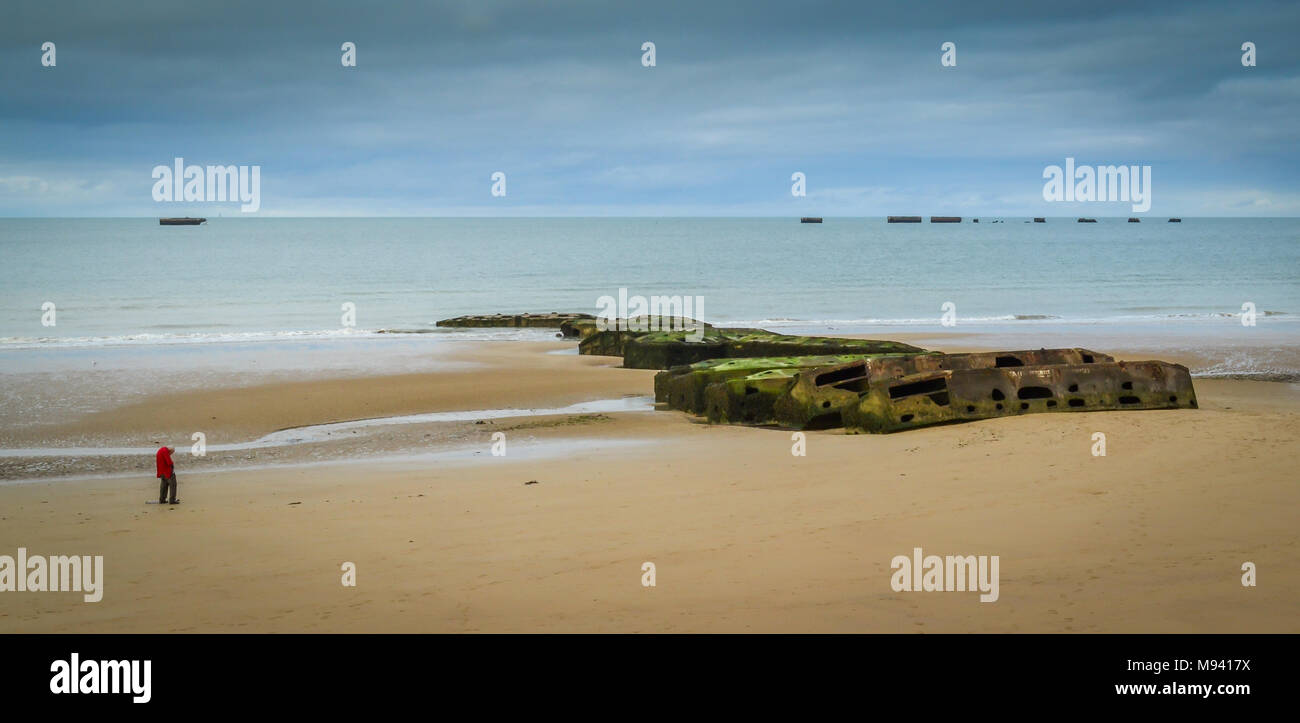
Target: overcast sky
743,94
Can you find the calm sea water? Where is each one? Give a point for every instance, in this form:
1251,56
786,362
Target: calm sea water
133,282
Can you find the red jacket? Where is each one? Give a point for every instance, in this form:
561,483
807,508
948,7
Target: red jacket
164,462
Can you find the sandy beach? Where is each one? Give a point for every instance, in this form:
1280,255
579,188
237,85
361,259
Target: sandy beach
457,322
743,535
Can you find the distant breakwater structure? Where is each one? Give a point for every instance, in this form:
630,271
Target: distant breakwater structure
958,219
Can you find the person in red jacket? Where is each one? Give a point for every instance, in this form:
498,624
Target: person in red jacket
166,473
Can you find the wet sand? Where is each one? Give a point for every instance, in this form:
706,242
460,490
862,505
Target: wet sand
744,536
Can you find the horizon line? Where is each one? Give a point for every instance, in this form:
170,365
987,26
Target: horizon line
964,219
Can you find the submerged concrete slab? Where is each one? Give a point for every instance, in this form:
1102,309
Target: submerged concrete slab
663,350
553,320
945,396
612,340
578,328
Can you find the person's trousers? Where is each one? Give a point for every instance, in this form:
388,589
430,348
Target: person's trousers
162,488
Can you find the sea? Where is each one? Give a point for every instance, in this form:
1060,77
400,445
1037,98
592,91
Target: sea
128,292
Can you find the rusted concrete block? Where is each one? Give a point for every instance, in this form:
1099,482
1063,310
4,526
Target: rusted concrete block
939,397
682,387
817,396
755,398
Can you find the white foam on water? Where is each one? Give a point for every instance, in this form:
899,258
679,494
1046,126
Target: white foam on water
253,337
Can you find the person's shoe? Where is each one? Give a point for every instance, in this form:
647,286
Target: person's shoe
174,502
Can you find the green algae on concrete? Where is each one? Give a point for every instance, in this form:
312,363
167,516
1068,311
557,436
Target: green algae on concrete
682,387
817,396
768,344
609,337
553,320
664,350
747,400
606,343
939,397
